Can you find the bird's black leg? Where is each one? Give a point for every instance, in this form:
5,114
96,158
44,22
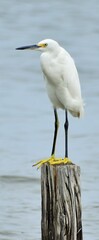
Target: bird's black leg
55,131
66,134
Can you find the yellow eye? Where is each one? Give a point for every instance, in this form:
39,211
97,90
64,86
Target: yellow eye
45,45
42,45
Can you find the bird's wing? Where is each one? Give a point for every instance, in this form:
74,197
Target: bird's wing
68,91
75,106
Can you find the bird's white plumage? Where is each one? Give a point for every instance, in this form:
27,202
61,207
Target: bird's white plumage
61,77
63,87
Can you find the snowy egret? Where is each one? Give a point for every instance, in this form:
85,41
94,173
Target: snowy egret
63,87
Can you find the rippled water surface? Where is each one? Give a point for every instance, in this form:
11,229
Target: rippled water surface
26,116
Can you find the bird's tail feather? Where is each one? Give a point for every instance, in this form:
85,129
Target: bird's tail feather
77,109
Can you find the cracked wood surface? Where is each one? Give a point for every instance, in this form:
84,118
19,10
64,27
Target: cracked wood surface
61,202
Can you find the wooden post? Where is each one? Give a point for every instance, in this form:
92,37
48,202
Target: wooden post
61,202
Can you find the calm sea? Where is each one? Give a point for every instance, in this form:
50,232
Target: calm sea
26,115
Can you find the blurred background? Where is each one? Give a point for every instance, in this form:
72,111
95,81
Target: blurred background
26,115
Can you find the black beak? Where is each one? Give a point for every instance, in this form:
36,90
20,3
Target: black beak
30,47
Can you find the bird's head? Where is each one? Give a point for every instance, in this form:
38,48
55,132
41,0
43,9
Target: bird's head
44,46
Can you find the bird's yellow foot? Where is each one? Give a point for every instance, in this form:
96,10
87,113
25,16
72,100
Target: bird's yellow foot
53,161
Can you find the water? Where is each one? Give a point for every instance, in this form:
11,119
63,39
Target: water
26,117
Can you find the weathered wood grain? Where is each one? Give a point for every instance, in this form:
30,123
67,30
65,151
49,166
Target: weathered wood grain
61,202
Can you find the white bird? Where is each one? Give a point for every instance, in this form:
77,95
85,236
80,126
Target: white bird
62,84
